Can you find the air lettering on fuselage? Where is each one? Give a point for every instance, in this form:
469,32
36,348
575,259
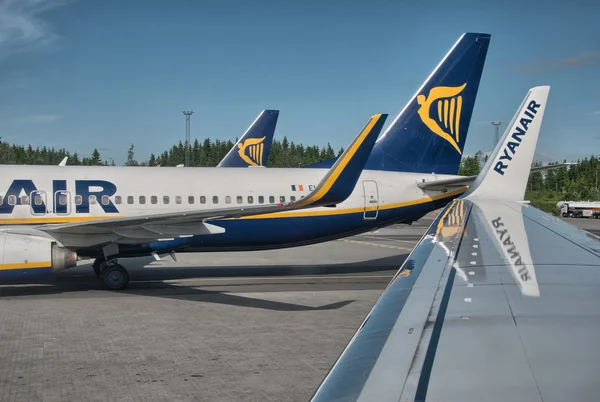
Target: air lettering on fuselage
83,188
511,147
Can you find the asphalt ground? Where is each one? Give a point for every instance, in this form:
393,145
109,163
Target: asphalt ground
260,326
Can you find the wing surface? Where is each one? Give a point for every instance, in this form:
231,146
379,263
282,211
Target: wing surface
497,302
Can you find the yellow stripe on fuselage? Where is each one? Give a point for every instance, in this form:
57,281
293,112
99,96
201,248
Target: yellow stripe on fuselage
274,215
26,265
299,214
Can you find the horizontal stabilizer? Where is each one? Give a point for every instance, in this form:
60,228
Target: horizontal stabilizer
447,184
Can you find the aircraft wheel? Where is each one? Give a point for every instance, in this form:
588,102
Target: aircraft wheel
115,277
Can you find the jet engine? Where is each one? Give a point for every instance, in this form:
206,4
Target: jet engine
29,248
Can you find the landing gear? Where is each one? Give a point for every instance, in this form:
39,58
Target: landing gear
98,265
115,276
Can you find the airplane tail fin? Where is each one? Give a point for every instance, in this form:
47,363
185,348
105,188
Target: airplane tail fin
429,133
339,182
253,148
505,175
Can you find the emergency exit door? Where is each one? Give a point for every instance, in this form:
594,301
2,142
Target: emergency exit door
371,199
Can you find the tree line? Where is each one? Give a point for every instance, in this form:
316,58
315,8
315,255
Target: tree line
575,183
209,153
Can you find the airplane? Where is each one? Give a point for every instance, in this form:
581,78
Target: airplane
253,148
498,300
52,216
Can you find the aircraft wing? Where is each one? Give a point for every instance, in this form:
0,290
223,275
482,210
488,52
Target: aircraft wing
497,302
335,187
449,184
253,148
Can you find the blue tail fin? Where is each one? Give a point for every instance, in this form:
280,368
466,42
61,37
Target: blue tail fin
254,146
429,133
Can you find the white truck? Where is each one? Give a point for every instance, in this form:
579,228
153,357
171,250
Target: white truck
579,209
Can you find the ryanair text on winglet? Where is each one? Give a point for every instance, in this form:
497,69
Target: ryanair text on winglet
511,249
516,136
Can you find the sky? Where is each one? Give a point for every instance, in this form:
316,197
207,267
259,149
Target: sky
84,74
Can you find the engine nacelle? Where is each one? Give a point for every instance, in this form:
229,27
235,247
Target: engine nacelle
32,249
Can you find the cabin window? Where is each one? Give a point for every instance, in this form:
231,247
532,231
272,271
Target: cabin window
37,199
215,199
154,199
165,199
105,199
293,198
240,199
130,199
92,199
117,199
79,200
202,199
24,200
261,199
227,199
177,199
271,199
12,200
142,199
250,199
191,199
282,198
62,199
1,200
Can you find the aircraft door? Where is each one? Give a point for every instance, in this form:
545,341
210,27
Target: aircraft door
62,202
371,199
38,201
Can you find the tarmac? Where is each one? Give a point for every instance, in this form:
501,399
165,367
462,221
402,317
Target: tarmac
259,326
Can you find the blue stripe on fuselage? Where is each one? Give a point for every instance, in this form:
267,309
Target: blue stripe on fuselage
24,274
272,233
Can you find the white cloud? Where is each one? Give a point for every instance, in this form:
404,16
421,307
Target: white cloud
596,113
38,119
22,27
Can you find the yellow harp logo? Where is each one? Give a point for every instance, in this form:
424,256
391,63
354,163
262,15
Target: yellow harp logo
251,151
448,103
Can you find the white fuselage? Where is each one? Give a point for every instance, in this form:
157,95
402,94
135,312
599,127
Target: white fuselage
33,195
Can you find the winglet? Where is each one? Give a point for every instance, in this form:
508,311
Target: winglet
505,175
254,146
339,182
64,161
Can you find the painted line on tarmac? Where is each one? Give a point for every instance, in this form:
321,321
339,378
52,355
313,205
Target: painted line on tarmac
366,243
275,278
390,239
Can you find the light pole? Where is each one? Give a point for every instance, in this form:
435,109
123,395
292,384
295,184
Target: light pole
187,114
496,125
